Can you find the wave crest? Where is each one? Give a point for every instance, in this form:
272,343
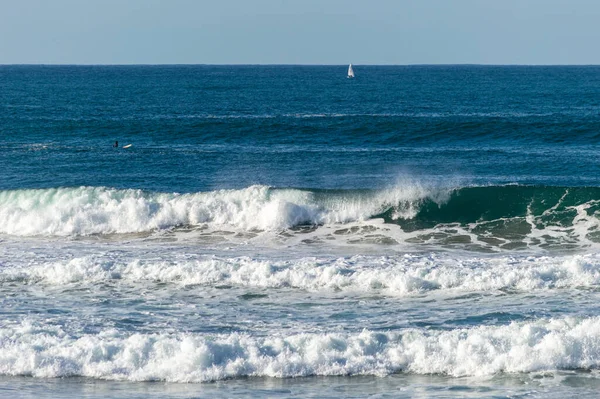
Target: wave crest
101,210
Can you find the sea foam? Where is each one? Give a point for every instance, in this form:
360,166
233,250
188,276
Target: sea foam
384,275
101,210
542,345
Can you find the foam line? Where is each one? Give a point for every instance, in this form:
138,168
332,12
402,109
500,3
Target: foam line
542,345
394,276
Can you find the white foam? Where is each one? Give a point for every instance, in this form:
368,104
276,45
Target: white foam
543,345
393,276
100,210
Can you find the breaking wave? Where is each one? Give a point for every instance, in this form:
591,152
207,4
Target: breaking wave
100,210
543,345
510,216
382,275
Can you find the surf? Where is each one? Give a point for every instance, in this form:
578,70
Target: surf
103,210
413,212
567,343
397,276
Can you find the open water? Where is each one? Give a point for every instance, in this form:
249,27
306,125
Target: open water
283,231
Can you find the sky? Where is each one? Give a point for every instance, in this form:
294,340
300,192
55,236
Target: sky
300,32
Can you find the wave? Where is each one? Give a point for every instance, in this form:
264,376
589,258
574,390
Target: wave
542,345
507,216
381,275
443,114
101,210
360,130
424,115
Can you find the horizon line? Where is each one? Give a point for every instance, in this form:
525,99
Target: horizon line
288,64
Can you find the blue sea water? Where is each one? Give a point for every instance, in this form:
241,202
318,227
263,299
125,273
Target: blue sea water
284,231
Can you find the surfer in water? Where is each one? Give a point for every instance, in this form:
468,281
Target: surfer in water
116,144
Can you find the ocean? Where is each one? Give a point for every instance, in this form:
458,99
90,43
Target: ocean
287,232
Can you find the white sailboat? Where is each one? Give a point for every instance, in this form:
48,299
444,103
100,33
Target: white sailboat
350,71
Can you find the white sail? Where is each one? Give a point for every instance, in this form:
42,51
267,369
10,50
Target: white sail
350,71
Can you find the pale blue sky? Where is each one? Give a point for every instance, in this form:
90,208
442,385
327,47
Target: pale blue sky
300,32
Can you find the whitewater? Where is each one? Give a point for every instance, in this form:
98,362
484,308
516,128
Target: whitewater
101,210
394,235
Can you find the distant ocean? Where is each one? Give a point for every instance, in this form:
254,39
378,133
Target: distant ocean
284,231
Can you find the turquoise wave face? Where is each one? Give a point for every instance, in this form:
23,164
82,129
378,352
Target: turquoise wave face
547,205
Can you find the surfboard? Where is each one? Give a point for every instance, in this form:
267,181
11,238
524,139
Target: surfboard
127,146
